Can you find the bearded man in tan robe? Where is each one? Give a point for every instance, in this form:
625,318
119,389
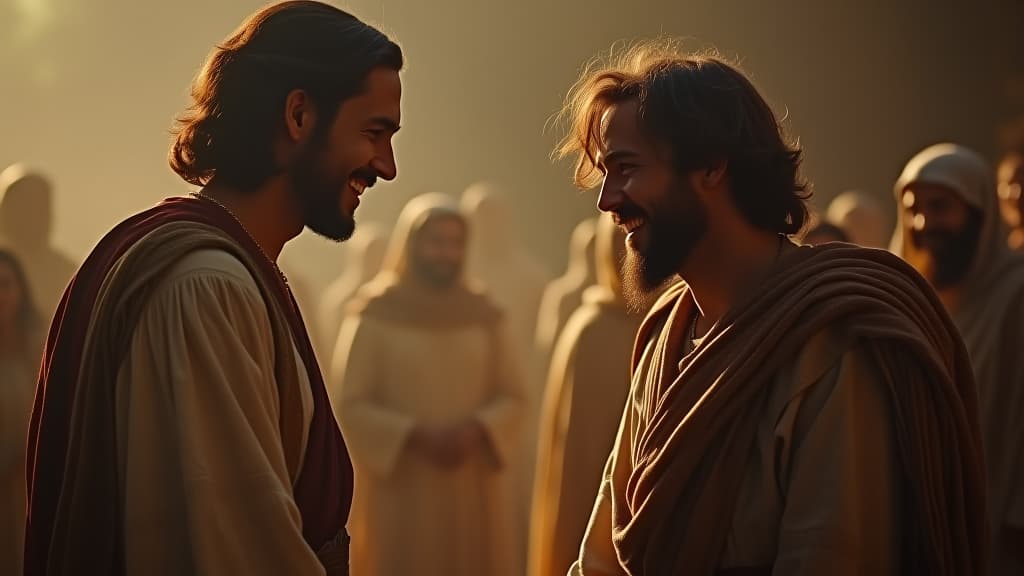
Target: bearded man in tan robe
950,230
431,401
587,388
793,410
181,425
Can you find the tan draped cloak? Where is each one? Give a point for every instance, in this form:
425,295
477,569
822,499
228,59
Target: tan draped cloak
988,308
897,420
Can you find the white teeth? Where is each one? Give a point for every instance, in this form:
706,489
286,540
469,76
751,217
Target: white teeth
357,185
632,224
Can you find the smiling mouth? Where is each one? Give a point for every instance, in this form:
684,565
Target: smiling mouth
358,185
632,224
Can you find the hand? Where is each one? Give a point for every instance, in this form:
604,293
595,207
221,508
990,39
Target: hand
470,436
438,443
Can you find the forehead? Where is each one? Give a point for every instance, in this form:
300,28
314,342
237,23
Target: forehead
917,193
443,225
382,96
620,128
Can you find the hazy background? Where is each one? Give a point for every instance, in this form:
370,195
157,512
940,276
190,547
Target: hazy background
90,87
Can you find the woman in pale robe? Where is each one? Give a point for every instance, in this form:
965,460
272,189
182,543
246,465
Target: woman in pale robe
364,254
19,361
586,393
500,261
565,294
414,361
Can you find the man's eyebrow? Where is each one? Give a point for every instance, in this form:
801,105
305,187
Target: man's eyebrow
617,156
385,122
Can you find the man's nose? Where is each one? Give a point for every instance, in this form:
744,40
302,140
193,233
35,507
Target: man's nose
610,197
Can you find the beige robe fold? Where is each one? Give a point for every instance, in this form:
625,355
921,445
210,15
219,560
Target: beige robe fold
203,436
410,516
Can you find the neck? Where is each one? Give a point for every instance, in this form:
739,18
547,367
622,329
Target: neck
720,271
269,213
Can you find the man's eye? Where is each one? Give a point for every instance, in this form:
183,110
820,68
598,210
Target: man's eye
627,168
375,133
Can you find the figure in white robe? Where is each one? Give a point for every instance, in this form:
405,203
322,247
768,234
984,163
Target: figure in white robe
431,402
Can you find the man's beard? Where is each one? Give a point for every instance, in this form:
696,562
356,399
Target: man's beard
950,253
437,275
319,195
673,233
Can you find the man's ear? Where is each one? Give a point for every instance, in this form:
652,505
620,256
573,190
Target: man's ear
299,116
714,176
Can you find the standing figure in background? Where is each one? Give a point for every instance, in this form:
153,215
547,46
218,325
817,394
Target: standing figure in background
431,403
26,220
516,281
20,350
565,294
364,254
951,231
861,217
1010,175
586,393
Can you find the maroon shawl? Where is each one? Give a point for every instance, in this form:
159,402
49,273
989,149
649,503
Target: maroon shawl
323,488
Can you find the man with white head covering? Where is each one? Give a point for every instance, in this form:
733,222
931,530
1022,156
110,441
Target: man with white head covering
565,294
949,228
861,217
26,215
364,254
431,404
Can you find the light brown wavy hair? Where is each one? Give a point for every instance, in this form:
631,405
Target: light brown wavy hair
705,112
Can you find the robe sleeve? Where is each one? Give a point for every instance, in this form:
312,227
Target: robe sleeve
597,554
842,485
206,485
502,415
375,433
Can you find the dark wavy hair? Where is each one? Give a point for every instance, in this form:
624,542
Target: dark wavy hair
29,321
706,112
238,97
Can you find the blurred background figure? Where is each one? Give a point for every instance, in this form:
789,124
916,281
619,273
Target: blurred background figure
21,330
586,392
824,232
949,228
431,403
565,293
1010,175
499,259
861,218
364,253
26,217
